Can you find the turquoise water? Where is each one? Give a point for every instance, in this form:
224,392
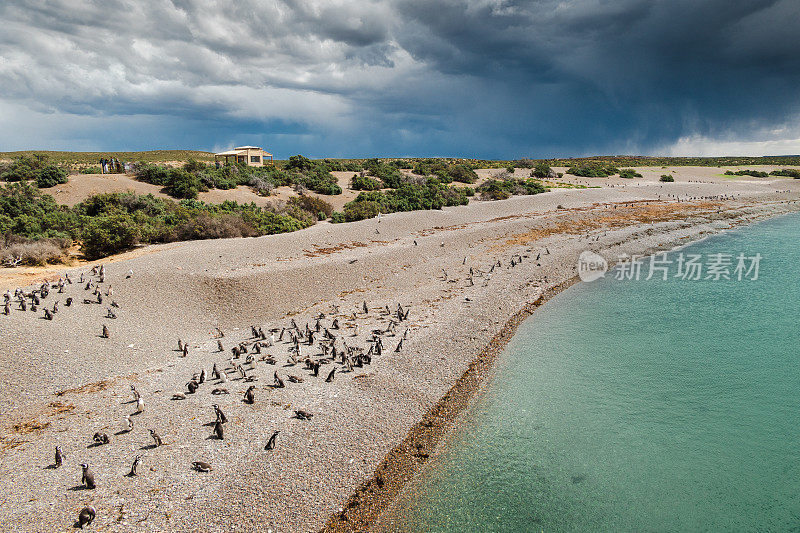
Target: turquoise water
636,406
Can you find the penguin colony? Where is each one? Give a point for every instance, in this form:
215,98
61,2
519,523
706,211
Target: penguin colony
321,349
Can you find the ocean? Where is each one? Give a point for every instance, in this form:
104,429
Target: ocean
637,405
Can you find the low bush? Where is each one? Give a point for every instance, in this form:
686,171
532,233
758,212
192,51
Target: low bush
318,207
34,167
50,176
432,194
629,173
108,235
542,170
593,171
501,189
786,172
364,183
667,178
753,173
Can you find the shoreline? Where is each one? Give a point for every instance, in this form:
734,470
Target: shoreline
373,497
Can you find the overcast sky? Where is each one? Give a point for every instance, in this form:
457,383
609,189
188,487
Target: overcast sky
337,78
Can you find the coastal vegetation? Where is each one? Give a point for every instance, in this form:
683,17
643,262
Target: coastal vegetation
196,176
33,167
754,173
109,223
787,173
667,178
593,170
629,173
501,189
411,195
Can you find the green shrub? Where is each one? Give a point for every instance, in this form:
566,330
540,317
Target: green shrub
313,205
667,178
360,210
754,173
337,217
542,170
50,176
182,184
108,235
501,189
593,171
629,173
462,174
786,172
23,168
388,174
364,183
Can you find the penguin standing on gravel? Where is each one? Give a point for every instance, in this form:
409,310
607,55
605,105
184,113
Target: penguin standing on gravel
218,432
271,442
59,457
87,476
250,395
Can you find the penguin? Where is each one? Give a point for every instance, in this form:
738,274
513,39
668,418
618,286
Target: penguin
101,438
202,377
277,382
218,433
105,333
302,415
156,438
330,375
59,457
295,379
399,345
140,405
221,418
134,466
87,477
214,372
250,395
86,516
128,423
271,442
201,466
48,315
185,350
220,348
223,377
192,386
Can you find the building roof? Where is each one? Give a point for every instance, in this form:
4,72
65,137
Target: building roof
242,150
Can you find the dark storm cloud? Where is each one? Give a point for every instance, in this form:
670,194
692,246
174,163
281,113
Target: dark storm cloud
490,78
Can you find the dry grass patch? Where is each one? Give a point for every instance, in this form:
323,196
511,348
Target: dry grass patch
621,217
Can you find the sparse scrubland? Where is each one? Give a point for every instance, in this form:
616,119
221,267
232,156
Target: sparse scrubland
36,230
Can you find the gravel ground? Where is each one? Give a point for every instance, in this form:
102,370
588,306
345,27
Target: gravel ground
60,381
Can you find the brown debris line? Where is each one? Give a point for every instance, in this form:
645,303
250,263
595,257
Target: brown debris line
31,426
89,387
319,251
373,497
7,443
57,408
627,216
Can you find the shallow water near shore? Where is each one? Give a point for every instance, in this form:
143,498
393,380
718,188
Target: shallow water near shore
636,405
